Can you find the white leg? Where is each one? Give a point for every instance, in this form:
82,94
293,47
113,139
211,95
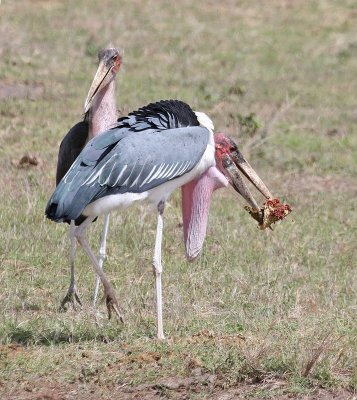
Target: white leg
111,301
72,250
71,295
102,254
158,271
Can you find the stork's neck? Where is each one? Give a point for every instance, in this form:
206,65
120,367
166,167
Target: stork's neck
103,114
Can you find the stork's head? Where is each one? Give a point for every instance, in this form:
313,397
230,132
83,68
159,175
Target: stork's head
230,161
110,60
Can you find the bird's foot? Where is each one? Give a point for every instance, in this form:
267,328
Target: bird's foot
113,305
71,297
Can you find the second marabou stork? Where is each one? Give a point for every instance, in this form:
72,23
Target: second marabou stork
149,154
100,114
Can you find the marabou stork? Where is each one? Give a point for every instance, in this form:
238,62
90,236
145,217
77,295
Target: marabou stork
100,114
149,154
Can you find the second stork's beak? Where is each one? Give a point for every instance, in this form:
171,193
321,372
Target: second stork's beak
102,77
233,163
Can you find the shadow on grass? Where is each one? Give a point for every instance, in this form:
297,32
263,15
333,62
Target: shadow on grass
27,336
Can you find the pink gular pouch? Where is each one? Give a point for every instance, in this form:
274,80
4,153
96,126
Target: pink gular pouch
196,200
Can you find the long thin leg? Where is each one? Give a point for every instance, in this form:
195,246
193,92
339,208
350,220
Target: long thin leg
102,254
112,303
72,295
158,270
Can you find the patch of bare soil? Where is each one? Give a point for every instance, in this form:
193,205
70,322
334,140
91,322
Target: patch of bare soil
20,91
201,384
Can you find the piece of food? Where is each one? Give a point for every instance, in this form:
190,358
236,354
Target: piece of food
271,212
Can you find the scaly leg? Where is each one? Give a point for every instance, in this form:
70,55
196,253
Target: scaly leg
157,266
72,295
102,254
111,301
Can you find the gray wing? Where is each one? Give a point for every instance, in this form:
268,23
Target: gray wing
71,146
118,162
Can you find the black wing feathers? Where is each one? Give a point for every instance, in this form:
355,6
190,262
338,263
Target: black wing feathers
70,147
165,114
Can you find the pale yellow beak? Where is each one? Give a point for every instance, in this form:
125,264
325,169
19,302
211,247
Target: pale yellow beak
102,77
235,162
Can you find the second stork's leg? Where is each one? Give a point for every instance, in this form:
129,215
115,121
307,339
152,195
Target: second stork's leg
102,255
158,270
72,295
111,301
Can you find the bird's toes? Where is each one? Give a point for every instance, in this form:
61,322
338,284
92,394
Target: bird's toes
77,299
72,298
112,305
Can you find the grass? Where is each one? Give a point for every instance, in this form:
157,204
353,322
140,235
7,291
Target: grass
256,307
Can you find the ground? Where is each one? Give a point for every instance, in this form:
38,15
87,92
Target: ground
259,314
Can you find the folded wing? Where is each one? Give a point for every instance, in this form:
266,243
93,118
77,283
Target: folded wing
120,161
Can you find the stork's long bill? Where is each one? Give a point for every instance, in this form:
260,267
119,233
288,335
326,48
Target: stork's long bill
109,65
232,162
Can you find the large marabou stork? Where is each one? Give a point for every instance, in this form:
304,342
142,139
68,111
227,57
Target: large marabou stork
100,114
149,154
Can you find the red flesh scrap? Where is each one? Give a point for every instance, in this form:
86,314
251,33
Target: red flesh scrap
277,209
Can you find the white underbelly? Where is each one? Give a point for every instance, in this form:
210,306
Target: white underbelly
112,202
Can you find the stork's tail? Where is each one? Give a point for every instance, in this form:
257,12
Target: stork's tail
52,212
64,204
